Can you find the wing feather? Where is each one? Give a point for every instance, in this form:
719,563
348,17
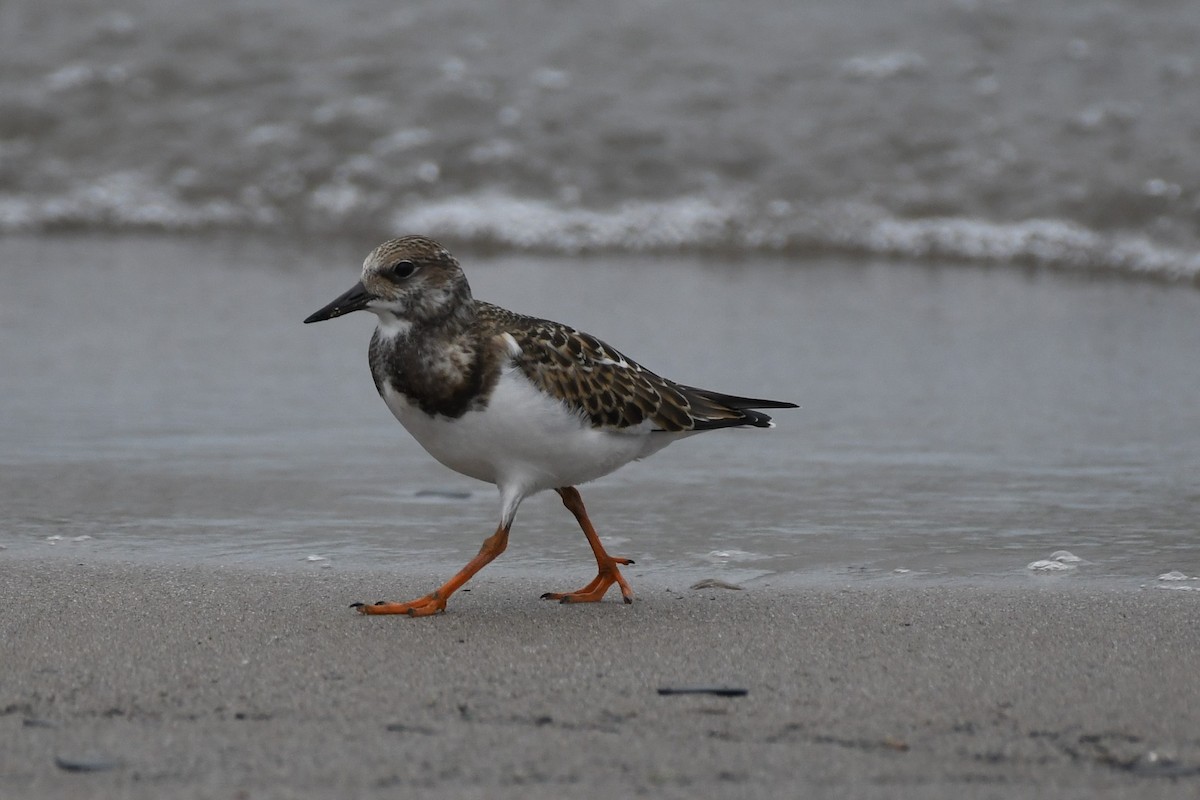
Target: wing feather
607,388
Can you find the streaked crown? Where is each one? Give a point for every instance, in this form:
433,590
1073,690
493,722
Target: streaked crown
416,279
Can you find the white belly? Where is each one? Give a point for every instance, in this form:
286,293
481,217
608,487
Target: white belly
524,438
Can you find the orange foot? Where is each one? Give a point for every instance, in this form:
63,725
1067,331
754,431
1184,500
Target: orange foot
435,601
594,591
425,606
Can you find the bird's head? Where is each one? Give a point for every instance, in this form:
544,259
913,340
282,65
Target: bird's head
408,280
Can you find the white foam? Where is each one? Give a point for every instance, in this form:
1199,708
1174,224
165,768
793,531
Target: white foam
1059,561
1174,575
699,223
725,556
536,224
120,200
882,66
1047,565
134,200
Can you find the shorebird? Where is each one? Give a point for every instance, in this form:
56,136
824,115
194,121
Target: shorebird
524,403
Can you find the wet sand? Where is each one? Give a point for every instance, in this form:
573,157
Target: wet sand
194,681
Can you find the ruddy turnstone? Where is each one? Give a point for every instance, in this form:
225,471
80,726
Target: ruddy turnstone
524,403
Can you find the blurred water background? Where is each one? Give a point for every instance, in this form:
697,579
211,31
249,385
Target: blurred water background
929,222
1050,133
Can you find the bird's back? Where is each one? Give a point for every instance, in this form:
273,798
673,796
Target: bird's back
606,387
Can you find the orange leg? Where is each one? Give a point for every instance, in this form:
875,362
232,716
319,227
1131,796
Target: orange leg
435,601
608,573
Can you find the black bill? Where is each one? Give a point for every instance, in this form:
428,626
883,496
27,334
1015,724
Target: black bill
354,300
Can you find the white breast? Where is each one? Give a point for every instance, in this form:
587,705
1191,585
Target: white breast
523,438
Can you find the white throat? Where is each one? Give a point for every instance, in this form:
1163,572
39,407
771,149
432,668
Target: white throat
390,326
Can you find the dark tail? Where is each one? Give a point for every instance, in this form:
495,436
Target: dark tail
716,410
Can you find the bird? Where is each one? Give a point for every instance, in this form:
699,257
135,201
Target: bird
524,403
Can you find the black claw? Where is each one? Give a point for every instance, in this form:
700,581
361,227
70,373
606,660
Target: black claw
630,562
548,596
628,600
356,605
381,602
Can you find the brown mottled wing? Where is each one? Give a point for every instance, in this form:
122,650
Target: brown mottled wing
609,389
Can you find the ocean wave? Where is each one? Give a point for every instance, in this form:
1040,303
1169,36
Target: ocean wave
128,202
776,227
771,127
124,201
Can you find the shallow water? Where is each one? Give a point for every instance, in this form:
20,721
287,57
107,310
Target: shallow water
162,401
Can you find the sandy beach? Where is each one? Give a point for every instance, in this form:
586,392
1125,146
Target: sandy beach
169,629
136,681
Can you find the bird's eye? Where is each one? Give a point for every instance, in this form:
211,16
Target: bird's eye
402,269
